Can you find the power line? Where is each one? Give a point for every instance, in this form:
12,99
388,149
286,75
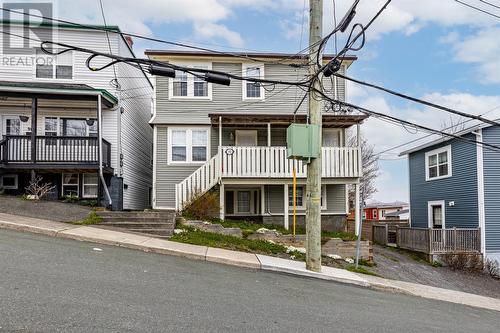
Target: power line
116,83
417,100
477,8
490,4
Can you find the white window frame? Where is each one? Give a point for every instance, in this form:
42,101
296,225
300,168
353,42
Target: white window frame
446,149
303,207
16,180
60,122
190,83
54,68
244,68
189,145
77,185
96,184
430,204
254,133
375,213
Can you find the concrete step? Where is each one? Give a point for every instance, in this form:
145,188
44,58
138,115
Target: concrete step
139,225
126,215
154,231
149,219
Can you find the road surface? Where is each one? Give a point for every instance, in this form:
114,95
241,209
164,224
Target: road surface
56,285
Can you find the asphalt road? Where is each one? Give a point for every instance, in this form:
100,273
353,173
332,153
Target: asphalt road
55,285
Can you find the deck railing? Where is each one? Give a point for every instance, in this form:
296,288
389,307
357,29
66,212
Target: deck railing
54,149
440,241
257,162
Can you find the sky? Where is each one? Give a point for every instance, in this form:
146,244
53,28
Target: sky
438,50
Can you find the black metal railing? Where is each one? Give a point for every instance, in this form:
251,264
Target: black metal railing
54,149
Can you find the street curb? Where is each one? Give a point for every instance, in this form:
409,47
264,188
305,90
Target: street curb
242,259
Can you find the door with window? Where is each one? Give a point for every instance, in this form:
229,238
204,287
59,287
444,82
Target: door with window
246,138
16,150
437,223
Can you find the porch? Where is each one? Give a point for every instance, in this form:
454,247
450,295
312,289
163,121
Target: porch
431,241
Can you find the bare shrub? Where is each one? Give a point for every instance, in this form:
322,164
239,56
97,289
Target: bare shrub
37,190
492,267
463,261
203,207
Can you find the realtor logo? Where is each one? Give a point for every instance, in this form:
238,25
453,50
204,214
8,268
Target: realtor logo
18,39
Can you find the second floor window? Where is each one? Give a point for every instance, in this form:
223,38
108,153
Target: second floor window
253,90
189,85
54,67
438,163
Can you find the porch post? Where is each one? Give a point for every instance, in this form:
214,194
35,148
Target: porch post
286,213
357,210
262,200
269,134
99,137
222,193
34,116
220,135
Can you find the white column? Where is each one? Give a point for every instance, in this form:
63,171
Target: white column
262,200
286,213
269,134
222,196
357,210
220,134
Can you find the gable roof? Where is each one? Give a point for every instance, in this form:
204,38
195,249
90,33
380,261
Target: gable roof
445,138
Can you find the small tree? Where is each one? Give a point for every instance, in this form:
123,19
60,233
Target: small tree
38,191
370,170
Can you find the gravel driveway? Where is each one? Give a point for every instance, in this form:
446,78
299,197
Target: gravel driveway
392,264
49,210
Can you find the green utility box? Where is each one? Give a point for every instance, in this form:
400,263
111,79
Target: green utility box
303,141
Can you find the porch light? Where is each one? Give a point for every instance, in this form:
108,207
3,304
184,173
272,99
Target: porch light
24,119
90,122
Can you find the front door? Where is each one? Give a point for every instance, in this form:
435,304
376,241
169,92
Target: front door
246,138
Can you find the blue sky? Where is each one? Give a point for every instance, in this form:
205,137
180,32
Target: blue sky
433,49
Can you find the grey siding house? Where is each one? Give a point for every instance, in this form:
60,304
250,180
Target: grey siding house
456,184
232,139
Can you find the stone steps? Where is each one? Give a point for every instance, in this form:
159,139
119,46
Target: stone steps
158,224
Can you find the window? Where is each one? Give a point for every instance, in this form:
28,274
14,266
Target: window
180,84
300,197
74,127
383,213
9,182
374,213
436,214
252,90
12,126
188,145
438,163
243,201
188,85
51,130
54,67
70,184
90,181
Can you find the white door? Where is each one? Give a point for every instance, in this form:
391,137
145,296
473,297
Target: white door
246,138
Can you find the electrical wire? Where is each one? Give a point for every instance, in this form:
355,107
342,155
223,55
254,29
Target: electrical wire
477,8
490,4
114,82
418,100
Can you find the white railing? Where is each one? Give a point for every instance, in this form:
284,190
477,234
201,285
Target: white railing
263,162
198,183
251,162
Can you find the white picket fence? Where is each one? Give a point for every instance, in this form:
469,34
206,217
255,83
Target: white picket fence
264,162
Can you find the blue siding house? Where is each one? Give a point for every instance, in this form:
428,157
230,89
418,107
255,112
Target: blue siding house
454,183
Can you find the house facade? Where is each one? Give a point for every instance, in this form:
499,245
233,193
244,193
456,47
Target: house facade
456,184
381,210
232,139
85,132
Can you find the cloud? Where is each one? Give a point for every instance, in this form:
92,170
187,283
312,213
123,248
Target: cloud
213,30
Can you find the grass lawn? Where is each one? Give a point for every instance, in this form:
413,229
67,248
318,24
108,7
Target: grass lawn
199,237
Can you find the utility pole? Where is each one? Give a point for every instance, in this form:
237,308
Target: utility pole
313,195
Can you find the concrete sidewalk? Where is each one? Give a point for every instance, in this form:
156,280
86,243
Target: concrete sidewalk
242,259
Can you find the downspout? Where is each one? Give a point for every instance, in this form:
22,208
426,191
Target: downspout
99,124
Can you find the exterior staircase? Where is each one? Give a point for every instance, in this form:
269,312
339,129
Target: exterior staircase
158,224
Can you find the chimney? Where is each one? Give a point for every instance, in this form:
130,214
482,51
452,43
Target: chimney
130,41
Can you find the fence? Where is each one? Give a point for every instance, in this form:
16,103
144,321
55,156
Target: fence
440,241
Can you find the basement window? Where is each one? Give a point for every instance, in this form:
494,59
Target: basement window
70,184
90,183
9,182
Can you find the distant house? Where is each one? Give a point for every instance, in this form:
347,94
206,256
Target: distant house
85,132
398,215
379,210
456,184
